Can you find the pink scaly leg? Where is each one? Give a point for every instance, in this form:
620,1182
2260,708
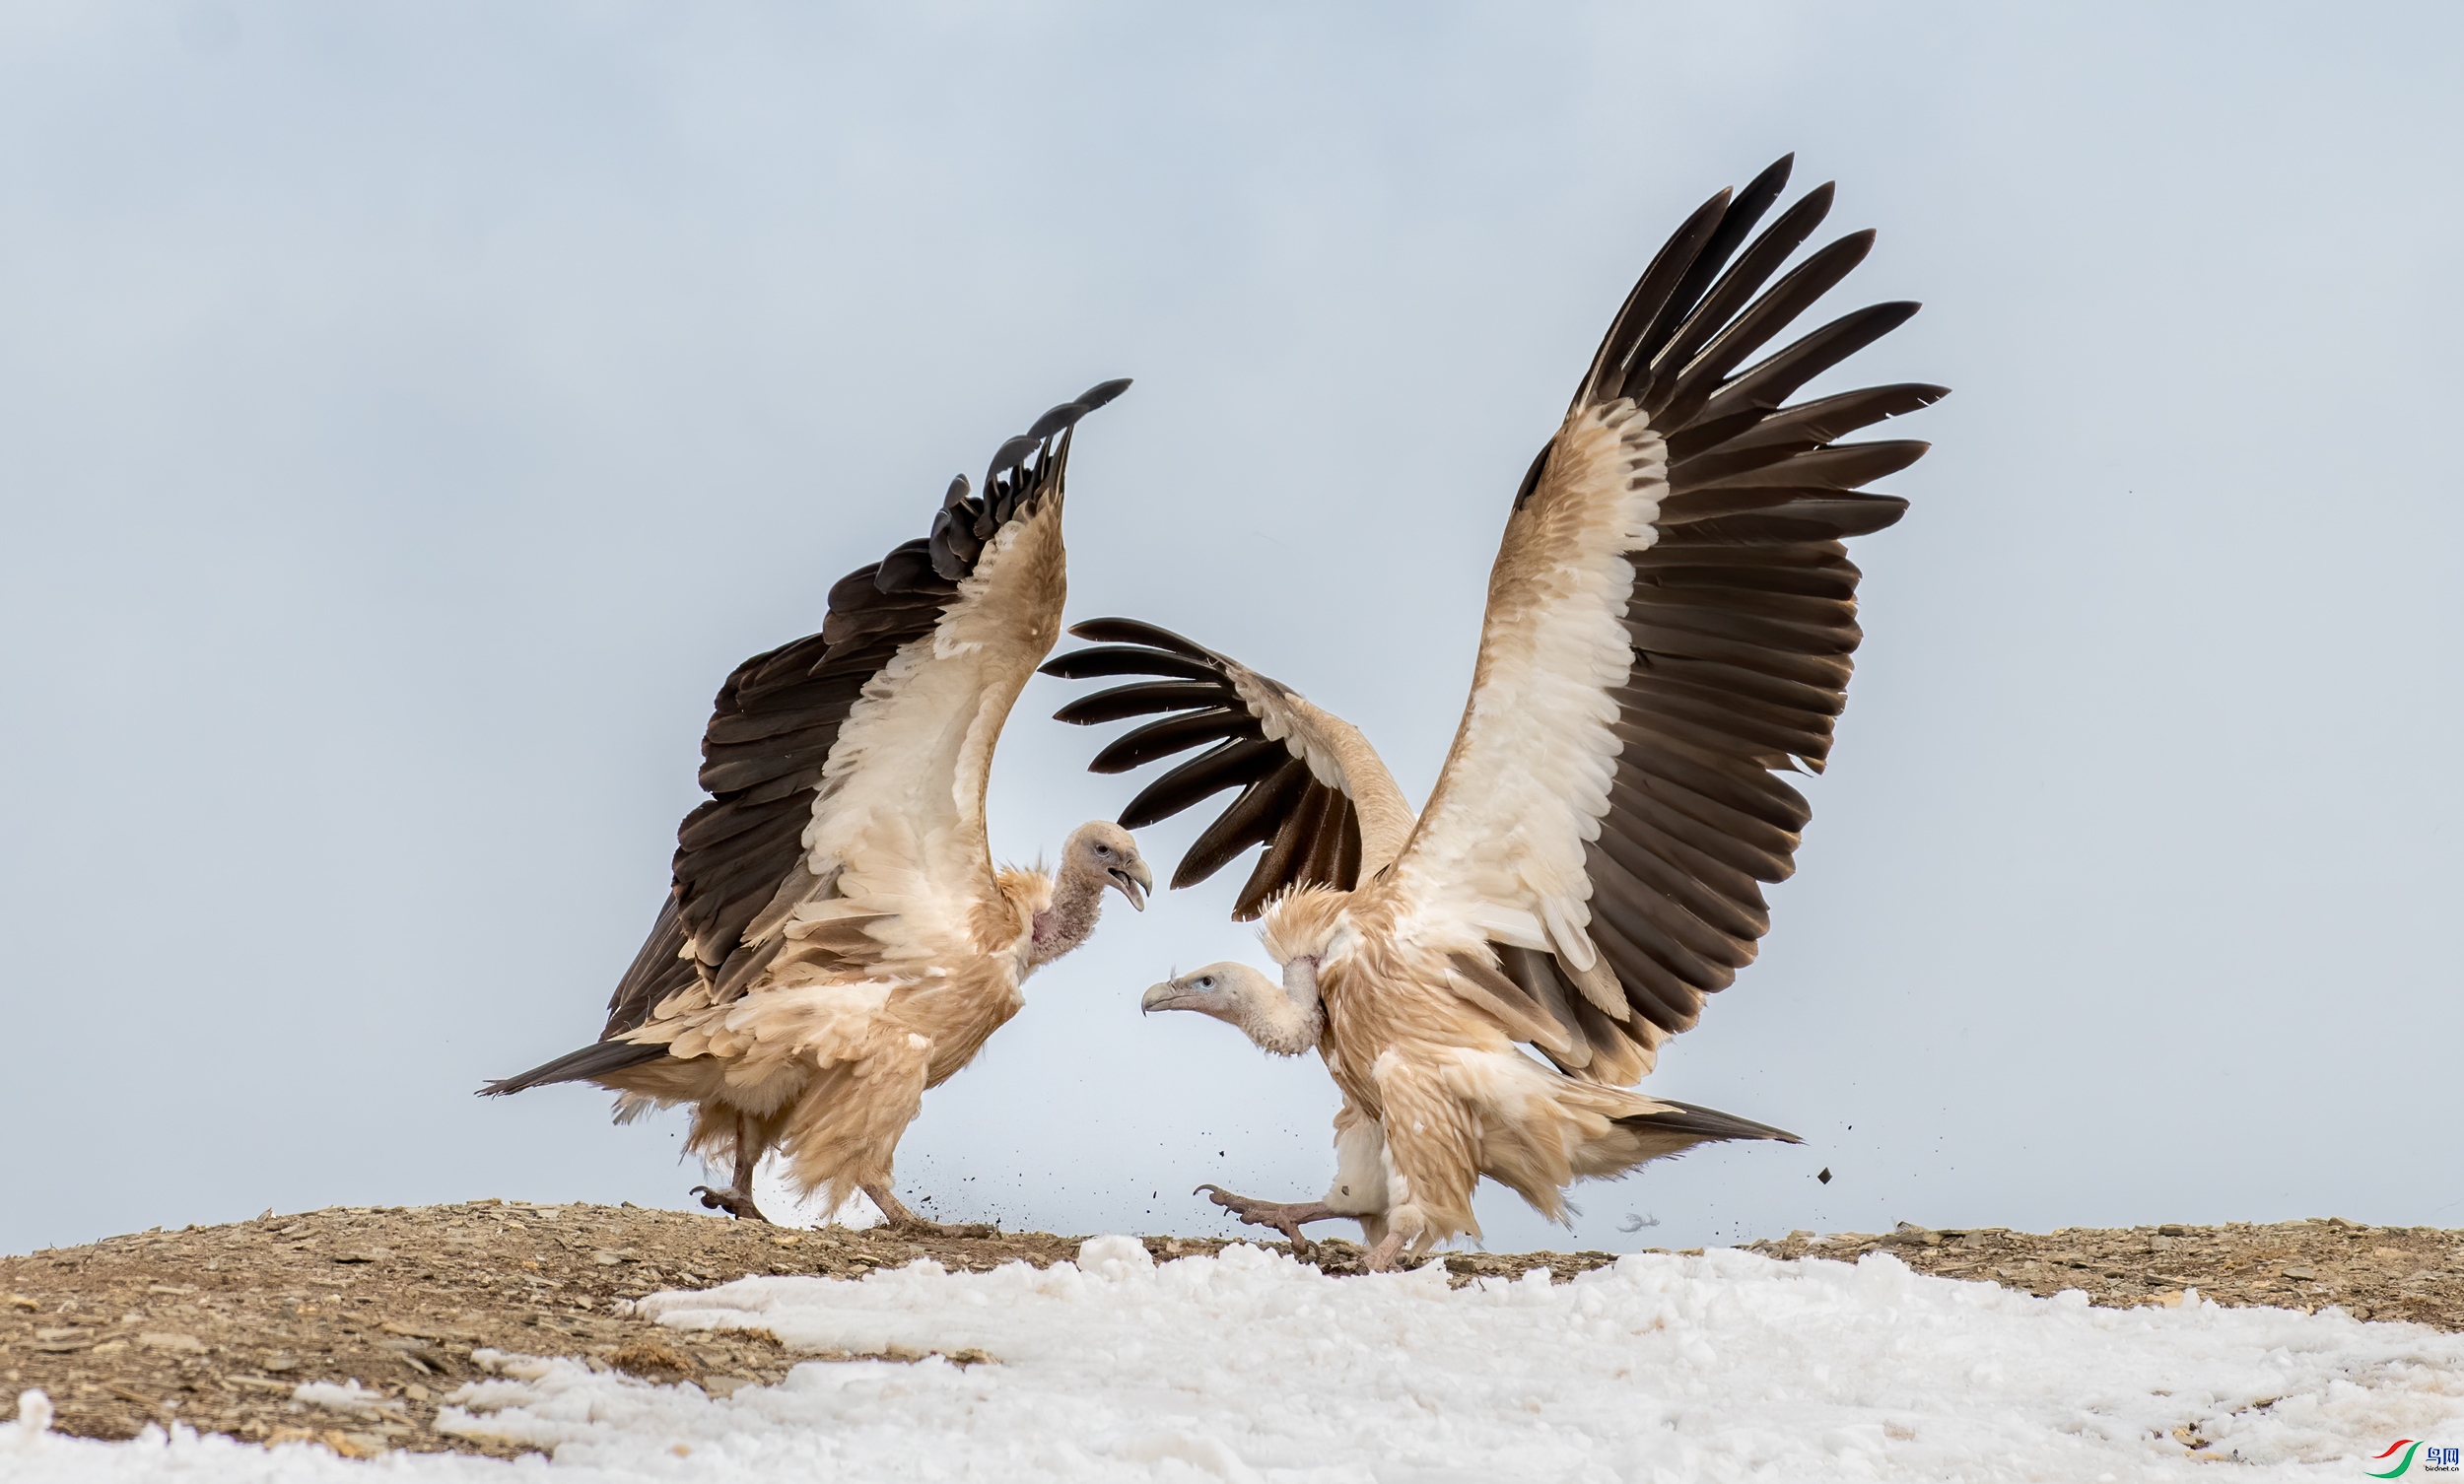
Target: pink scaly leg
1286,1218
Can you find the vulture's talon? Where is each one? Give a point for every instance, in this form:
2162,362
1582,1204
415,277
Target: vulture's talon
903,1221
735,1205
1284,1217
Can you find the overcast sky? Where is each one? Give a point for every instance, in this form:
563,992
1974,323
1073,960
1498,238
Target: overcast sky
410,412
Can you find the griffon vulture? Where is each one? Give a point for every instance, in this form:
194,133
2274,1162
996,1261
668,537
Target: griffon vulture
1669,621
837,939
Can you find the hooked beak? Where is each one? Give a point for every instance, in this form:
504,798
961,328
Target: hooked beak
1133,882
1168,995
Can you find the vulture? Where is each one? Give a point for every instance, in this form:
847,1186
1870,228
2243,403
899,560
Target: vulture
1669,625
837,939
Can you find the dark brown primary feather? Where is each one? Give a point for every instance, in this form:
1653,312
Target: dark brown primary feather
1126,701
1127,660
772,728
1742,614
1311,832
1252,820
1161,739
1230,765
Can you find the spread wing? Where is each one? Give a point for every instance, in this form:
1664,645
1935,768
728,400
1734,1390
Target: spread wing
1313,790
846,770
851,764
1670,623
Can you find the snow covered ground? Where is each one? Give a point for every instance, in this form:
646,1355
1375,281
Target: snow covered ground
1248,1367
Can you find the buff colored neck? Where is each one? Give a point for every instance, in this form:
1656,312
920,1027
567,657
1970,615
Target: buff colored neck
1289,1023
1078,902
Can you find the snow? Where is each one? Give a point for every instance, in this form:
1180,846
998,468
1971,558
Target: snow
1249,1367
352,1399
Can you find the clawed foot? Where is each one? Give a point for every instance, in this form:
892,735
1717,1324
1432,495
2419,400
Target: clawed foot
905,1223
1284,1217
735,1204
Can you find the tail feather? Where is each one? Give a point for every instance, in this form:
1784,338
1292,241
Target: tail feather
1703,1125
594,1060
1673,1128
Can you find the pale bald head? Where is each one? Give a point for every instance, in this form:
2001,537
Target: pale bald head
1246,999
1100,850
1097,854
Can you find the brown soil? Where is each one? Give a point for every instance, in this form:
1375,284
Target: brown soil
2414,1273
217,1326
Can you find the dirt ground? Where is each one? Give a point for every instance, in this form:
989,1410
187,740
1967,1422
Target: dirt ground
219,1326
2404,1274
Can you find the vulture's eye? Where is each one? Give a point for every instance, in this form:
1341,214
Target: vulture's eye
1104,850
1203,982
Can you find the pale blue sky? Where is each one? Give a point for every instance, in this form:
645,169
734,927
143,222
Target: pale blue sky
409,412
